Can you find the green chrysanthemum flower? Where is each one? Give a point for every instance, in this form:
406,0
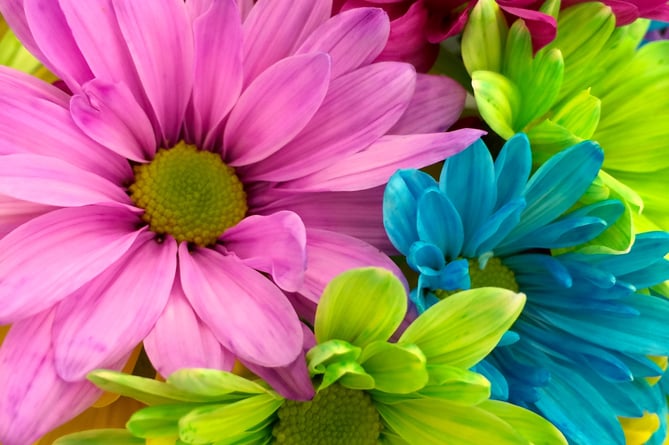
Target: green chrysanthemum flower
15,55
592,82
416,391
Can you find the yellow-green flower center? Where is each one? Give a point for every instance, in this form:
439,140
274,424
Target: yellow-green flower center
189,194
336,416
494,274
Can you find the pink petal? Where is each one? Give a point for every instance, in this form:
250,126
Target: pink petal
358,214
249,315
16,212
376,164
294,89
51,256
18,84
274,244
353,39
218,65
292,381
53,36
275,28
359,107
34,400
330,254
151,33
13,12
50,181
109,114
180,339
436,104
105,320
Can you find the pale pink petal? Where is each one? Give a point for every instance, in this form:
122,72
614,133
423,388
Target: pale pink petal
249,315
355,113
292,381
50,181
15,212
276,107
49,257
275,28
274,244
436,104
105,319
358,214
109,114
245,7
217,31
376,164
353,39
160,41
180,339
19,84
331,253
34,400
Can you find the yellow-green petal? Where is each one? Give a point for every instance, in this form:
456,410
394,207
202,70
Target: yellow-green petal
399,369
532,426
100,437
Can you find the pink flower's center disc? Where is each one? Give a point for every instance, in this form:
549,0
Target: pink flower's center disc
188,194
494,274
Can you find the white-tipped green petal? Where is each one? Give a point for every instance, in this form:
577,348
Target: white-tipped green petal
361,306
498,99
398,369
100,437
212,383
533,427
463,328
483,37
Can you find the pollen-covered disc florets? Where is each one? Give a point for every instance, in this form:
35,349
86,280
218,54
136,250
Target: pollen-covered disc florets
189,194
336,416
494,274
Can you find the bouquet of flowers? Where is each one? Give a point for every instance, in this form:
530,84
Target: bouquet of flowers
334,222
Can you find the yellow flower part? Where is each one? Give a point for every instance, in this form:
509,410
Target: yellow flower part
638,430
15,55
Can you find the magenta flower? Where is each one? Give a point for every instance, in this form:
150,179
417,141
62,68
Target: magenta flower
205,172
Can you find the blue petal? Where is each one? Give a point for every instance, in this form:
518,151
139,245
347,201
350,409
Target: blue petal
512,168
649,276
547,270
468,179
426,258
454,276
648,249
608,210
498,384
494,229
400,206
565,232
439,223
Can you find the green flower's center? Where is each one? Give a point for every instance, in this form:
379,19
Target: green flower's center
336,416
495,274
189,194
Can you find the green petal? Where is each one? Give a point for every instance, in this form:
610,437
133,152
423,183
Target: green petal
391,438
100,437
540,90
324,354
532,426
483,37
463,328
158,421
360,306
349,374
549,138
213,383
497,99
398,369
217,422
434,422
149,391
456,385
579,115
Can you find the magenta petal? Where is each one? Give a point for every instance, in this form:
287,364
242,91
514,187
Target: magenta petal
353,39
292,381
376,164
51,256
436,104
34,400
274,244
542,27
359,107
50,181
275,28
13,12
249,315
110,115
180,339
330,254
152,33
104,320
275,107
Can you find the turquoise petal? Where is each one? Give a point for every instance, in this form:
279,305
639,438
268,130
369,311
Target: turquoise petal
439,223
512,169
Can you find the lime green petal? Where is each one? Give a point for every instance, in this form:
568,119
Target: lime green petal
398,369
360,306
158,421
652,188
331,351
483,37
217,422
551,7
149,391
463,328
549,138
456,385
497,99
100,437
349,374
391,438
532,426
434,422
255,436
213,383
579,115
540,90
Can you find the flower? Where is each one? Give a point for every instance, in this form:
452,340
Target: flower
182,202
14,55
578,352
369,391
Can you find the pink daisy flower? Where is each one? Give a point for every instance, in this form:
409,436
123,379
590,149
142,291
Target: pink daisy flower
206,171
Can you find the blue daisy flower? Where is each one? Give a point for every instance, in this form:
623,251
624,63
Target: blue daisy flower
578,353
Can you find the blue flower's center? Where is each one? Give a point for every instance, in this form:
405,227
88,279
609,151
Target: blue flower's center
494,274
336,416
189,194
